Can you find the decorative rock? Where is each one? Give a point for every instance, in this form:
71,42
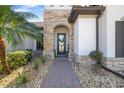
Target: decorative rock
94,76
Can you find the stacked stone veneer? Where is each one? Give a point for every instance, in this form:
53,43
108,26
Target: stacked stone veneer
82,62
52,19
116,64
81,59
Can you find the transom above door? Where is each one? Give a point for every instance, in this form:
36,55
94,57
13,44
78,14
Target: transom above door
61,43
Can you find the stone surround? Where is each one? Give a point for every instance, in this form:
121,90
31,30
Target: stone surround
53,19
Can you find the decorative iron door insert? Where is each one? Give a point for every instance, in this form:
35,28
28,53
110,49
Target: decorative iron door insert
61,43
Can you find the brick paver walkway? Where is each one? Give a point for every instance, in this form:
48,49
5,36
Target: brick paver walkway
61,75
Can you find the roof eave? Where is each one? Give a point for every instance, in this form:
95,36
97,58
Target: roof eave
79,10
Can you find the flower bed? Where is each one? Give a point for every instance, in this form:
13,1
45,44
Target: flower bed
35,76
27,75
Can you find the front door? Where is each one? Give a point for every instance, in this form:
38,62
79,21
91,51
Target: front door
61,43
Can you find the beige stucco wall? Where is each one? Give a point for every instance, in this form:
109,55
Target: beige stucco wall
107,36
85,34
107,21
26,44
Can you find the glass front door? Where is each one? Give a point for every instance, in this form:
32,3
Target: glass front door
61,43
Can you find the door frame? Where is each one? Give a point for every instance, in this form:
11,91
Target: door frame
58,44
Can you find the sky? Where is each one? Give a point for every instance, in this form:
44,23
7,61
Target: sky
38,10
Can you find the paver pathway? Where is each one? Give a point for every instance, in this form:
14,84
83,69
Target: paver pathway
61,75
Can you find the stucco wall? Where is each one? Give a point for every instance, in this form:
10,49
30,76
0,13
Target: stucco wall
103,33
76,37
27,44
114,13
111,14
85,31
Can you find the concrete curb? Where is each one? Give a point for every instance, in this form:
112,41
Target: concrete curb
115,72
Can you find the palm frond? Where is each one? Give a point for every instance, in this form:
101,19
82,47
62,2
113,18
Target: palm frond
27,15
15,27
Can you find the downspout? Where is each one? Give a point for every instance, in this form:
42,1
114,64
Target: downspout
97,28
97,32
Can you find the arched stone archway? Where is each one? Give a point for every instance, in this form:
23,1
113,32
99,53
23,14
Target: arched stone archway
52,20
61,40
50,40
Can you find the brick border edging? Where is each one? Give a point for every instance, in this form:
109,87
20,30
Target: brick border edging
110,70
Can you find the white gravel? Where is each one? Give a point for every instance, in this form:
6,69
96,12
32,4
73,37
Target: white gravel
94,76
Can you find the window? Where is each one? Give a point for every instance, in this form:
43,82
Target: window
51,5
61,5
39,45
119,38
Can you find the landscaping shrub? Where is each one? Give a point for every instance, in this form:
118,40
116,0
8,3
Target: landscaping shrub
18,58
35,65
22,79
42,59
96,56
29,54
36,62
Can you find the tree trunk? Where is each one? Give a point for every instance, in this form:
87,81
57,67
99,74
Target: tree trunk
3,56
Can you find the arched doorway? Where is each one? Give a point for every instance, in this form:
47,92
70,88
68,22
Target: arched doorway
61,40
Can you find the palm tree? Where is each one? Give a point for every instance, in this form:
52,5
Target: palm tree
14,27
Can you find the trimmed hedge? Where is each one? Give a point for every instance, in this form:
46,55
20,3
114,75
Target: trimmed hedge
17,59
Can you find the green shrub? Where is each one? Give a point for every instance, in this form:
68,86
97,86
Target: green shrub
96,56
18,58
29,54
35,65
36,62
22,79
42,60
